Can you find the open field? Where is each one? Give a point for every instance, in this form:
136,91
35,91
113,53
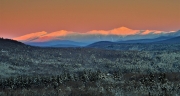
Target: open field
87,71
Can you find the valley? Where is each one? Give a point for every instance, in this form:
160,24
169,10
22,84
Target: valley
86,70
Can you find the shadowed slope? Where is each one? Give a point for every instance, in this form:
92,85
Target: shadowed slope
172,40
8,41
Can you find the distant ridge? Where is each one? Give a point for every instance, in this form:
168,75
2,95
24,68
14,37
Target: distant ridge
101,44
171,40
56,43
161,38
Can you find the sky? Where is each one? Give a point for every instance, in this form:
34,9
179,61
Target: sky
20,17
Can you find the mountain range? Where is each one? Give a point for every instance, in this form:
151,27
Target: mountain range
170,44
65,38
57,43
154,40
161,43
